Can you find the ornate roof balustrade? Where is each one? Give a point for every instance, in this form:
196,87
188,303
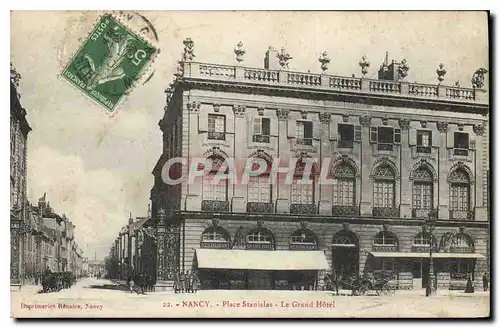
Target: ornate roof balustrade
325,82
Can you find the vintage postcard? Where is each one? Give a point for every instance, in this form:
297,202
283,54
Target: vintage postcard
249,164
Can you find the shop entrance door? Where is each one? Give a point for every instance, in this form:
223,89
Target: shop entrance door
260,280
417,274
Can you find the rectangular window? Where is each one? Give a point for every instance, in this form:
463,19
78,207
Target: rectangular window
424,141
346,132
459,197
383,193
343,192
216,127
259,189
304,133
422,195
261,129
302,193
214,191
461,144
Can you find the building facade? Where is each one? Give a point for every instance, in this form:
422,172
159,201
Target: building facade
19,211
395,153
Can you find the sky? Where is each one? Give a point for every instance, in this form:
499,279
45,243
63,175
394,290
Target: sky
96,167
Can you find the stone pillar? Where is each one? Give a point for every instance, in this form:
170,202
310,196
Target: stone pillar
240,125
443,190
161,267
325,190
405,185
481,164
15,256
283,190
366,165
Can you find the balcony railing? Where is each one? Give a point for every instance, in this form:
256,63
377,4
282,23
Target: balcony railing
328,82
460,151
305,141
385,146
303,209
215,205
257,207
345,143
343,210
424,149
420,213
260,138
386,212
216,135
461,215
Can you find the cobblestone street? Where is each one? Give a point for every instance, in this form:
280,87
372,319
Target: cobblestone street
103,298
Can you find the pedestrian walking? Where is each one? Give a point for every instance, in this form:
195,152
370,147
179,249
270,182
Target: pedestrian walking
182,279
131,284
194,282
485,282
188,283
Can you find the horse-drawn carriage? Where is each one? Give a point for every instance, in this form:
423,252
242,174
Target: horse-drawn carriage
379,282
55,281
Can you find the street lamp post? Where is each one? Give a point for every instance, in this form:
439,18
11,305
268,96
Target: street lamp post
430,224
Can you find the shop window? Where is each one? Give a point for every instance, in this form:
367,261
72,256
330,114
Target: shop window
303,239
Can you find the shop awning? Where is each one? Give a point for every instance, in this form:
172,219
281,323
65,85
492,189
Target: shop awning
426,255
237,259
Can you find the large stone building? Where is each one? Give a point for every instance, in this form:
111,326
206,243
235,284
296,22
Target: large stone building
396,153
19,225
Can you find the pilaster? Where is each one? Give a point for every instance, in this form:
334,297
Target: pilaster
405,154
443,189
366,166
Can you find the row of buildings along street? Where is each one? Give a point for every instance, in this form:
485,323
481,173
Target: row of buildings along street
409,163
42,240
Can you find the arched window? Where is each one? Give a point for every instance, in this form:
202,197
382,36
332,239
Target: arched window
384,186
303,239
214,189
344,184
215,234
424,240
385,238
423,190
459,194
302,192
260,239
259,186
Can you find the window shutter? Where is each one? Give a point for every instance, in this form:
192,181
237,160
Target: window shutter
450,139
249,123
397,136
317,130
435,139
472,142
468,141
333,131
373,134
203,121
413,137
357,133
292,128
229,123
274,126
257,126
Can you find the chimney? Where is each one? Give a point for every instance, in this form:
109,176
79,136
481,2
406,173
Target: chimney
271,60
388,71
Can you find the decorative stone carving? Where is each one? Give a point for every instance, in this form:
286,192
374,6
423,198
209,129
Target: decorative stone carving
282,114
365,120
216,108
423,124
215,222
403,70
304,224
239,110
478,129
194,106
179,72
478,78
460,126
283,58
345,118
345,226
385,227
404,123
324,117
441,72
303,114
364,64
188,54
239,52
260,111
442,126
260,223
324,60
385,120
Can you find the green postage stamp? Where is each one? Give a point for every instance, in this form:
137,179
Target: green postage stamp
109,62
